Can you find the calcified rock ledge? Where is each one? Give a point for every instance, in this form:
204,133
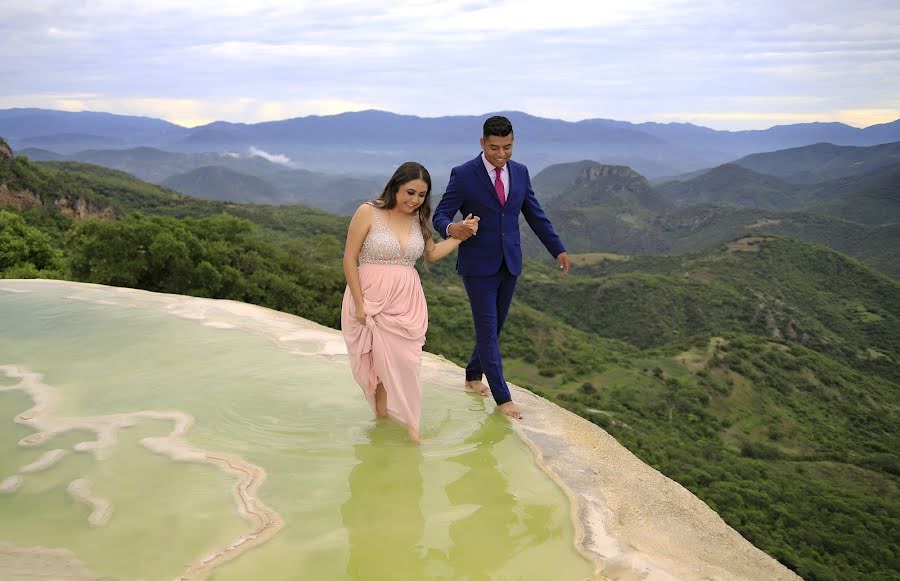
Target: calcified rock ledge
265,521
631,521
638,523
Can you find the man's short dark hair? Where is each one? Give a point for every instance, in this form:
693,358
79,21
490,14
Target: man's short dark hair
498,126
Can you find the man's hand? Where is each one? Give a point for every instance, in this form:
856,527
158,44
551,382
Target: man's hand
563,259
472,224
464,229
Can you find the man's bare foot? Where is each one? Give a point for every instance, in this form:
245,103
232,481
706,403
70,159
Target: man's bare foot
478,387
510,409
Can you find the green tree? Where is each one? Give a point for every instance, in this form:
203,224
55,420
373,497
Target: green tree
24,249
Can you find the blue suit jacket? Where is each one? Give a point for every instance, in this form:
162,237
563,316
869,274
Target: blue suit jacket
471,191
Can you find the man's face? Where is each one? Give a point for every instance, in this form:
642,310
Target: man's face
497,150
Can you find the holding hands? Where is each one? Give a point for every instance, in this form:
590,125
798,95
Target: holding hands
459,231
464,229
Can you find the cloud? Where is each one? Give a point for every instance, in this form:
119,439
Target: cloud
516,16
736,119
273,157
275,110
867,117
257,51
195,62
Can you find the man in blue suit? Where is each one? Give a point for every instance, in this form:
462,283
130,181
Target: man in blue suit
496,190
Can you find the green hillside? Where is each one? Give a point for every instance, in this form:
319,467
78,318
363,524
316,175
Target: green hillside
123,193
772,287
221,183
555,179
734,185
604,207
820,162
860,184
190,173
613,209
871,198
698,227
616,188
94,224
792,448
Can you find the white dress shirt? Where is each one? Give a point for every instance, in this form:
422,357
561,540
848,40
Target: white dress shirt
492,173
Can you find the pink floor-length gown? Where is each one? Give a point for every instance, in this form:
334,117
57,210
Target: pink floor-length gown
388,348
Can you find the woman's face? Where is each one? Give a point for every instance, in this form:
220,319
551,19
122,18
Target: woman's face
411,195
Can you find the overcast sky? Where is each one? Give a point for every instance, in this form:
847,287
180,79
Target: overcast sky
727,65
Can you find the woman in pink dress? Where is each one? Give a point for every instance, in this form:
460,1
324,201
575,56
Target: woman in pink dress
384,316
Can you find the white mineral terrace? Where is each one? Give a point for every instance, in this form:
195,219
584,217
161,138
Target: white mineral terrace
631,521
265,522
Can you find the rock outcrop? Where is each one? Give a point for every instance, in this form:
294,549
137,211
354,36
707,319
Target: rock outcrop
5,150
81,208
18,198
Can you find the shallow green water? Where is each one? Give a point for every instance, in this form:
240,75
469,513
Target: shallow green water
358,500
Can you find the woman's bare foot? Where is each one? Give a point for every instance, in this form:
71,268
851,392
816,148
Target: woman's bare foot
478,387
510,409
413,435
381,410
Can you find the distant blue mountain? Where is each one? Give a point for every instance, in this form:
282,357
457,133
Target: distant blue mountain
822,161
374,141
24,123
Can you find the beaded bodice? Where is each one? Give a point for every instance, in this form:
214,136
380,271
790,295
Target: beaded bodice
381,246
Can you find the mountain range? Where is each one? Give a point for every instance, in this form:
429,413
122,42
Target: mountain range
612,209
846,197
368,142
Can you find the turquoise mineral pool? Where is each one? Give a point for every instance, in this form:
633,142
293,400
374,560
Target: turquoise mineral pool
148,436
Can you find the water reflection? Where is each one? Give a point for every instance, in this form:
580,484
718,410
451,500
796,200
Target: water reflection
383,515
501,526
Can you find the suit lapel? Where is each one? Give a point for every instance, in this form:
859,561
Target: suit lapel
514,182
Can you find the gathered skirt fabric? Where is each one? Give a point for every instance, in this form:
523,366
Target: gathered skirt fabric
388,348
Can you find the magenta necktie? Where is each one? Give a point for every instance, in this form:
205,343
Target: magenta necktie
498,185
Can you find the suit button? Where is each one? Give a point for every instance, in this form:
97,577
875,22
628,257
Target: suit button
503,234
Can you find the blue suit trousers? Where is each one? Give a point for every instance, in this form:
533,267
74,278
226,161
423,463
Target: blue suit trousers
490,298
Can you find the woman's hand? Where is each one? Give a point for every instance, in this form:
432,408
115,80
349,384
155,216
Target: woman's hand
361,315
471,222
